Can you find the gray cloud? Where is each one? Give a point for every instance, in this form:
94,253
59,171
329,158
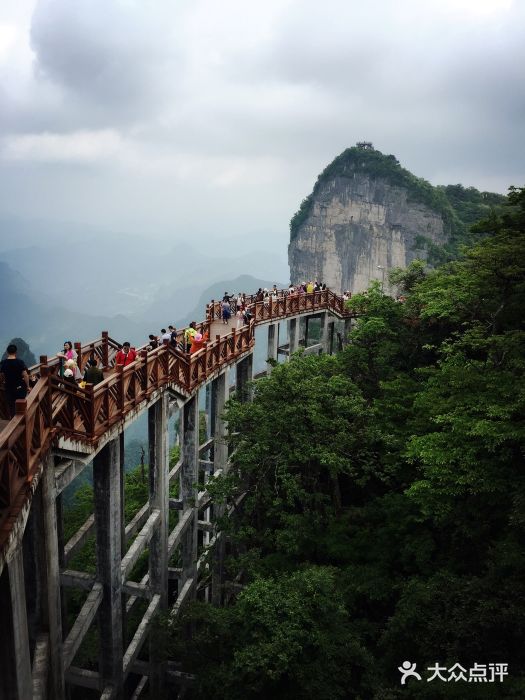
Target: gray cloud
218,117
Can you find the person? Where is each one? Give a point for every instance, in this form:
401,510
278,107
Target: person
309,287
165,336
189,333
16,378
125,356
247,316
240,317
226,311
69,377
93,374
198,341
67,354
74,369
153,341
173,335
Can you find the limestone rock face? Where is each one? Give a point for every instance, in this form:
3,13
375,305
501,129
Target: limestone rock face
357,225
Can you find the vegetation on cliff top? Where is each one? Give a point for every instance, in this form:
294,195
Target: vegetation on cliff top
458,206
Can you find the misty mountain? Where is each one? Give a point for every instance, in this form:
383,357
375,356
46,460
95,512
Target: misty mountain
144,277
242,283
45,327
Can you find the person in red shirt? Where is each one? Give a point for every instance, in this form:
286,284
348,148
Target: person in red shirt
125,356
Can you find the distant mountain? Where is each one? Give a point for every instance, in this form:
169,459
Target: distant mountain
152,280
367,214
45,327
242,283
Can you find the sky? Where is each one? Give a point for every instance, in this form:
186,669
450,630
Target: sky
211,120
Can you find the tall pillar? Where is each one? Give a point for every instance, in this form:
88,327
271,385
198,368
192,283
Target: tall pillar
123,521
293,335
218,425
189,477
54,604
244,376
273,343
348,328
106,487
220,461
15,678
158,498
302,331
326,333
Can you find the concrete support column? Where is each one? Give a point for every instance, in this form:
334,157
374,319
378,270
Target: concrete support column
302,331
188,479
306,327
218,425
123,521
107,502
348,328
220,461
244,376
54,604
293,335
15,678
273,344
327,328
159,499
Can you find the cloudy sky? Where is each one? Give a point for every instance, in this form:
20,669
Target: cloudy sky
210,119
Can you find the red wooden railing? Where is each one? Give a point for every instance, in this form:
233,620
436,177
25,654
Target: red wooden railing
58,408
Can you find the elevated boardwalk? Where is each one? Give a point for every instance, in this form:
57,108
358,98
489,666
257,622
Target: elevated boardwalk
57,431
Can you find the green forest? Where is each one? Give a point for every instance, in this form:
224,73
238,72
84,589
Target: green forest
383,519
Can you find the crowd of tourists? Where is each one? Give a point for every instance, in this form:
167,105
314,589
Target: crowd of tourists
17,380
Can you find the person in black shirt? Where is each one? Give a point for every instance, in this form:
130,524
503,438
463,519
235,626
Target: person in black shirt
93,375
16,378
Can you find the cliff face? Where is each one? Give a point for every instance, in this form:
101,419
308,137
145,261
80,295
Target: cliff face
355,224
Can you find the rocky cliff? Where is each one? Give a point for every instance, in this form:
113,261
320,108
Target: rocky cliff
366,215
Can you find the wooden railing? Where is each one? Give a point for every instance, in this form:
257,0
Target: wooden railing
286,305
56,407
23,444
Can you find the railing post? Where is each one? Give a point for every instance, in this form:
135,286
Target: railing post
91,427
21,410
120,389
105,349
78,350
145,381
43,361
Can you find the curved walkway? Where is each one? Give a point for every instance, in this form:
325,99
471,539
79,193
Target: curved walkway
55,410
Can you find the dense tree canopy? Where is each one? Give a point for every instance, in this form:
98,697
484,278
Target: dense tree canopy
384,515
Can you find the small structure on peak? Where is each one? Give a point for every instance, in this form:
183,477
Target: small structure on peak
365,145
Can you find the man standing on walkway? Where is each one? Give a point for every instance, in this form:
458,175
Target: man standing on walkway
16,378
93,375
